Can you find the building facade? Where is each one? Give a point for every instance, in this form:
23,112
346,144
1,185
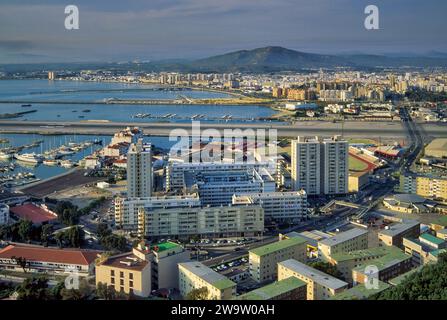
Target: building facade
263,260
320,286
195,275
278,206
139,170
351,240
320,166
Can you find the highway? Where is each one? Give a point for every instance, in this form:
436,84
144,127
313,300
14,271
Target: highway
390,130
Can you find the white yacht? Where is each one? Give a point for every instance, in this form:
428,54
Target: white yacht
29,157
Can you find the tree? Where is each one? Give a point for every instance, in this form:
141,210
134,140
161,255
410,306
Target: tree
114,242
67,213
327,268
34,289
198,294
103,291
22,262
25,228
430,283
47,230
103,230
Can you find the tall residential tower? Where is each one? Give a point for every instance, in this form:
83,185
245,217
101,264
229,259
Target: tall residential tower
320,166
139,170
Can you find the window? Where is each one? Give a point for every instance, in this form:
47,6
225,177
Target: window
112,273
131,276
121,274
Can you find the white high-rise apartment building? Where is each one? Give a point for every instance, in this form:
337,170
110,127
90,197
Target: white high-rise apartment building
320,166
336,166
306,165
139,170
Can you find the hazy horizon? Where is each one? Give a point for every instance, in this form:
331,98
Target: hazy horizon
189,29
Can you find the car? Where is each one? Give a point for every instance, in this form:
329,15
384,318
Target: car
237,249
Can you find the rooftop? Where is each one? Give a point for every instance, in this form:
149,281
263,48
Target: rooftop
53,255
126,261
33,213
359,254
360,292
428,237
163,246
273,290
442,221
208,275
393,257
279,245
343,236
398,280
314,274
398,228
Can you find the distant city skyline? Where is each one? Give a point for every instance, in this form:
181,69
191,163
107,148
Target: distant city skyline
189,29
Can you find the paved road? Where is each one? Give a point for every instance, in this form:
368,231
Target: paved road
392,130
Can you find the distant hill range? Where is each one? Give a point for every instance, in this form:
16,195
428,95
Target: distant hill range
267,59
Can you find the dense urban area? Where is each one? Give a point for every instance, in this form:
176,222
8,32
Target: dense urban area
348,201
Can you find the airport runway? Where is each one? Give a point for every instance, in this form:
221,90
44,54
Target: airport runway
349,129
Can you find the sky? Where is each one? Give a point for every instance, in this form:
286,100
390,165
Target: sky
145,30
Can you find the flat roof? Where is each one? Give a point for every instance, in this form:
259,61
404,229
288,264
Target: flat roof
274,289
359,254
360,292
33,213
278,245
343,236
442,221
428,237
398,228
393,257
399,279
163,246
314,274
126,261
208,275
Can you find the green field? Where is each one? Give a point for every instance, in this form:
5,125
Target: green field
356,164
365,141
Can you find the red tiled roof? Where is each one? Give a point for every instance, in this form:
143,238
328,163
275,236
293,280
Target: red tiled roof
32,213
54,255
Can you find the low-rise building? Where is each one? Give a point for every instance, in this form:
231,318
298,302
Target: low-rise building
420,248
165,260
393,235
361,292
442,234
384,268
406,203
52,261
37,214
320,286
287,289
128,272
346,261
351,240
195,275
357,180
263,260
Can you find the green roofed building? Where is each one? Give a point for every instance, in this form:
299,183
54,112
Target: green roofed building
195,275
287,289
439,224
399,279
391,265
346,261
361,292
264,260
